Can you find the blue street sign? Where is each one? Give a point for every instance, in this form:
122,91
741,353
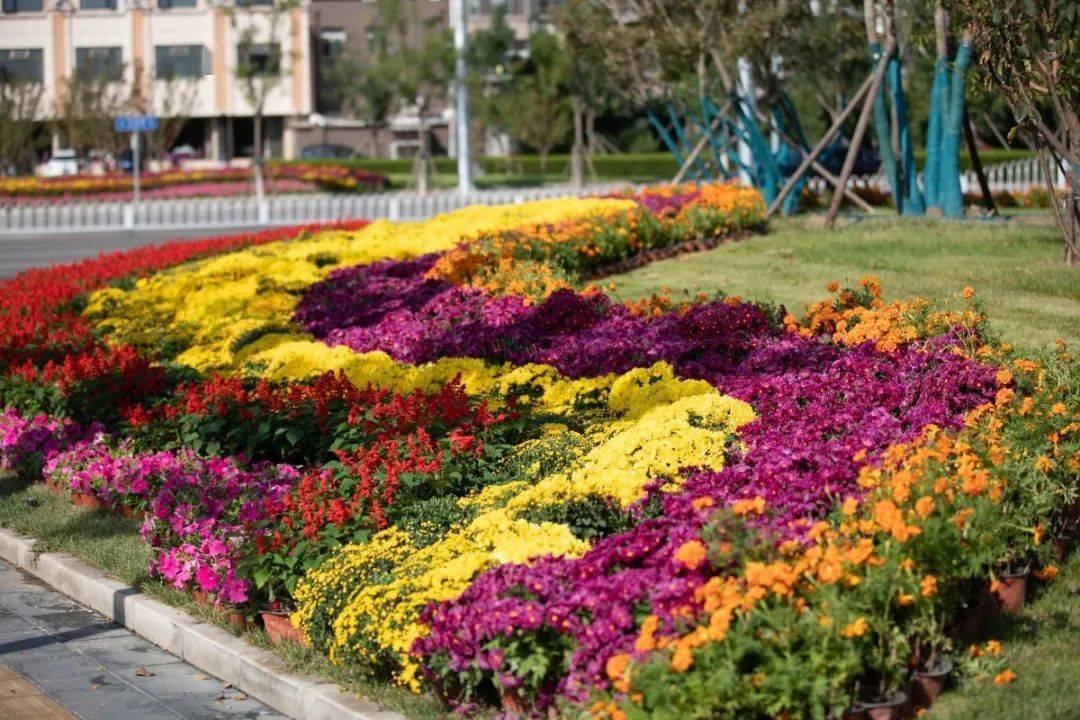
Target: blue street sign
136,123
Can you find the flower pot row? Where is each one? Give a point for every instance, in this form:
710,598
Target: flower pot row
921,692
1007,593
276,623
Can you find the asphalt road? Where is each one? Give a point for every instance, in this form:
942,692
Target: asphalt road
40,250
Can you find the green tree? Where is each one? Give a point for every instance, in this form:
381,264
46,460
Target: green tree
404,72
85,109
534,102
20,104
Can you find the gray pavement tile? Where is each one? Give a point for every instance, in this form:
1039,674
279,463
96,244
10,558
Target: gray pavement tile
126,651
196,695
100,671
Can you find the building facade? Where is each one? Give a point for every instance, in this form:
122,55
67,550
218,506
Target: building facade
176,52
183,57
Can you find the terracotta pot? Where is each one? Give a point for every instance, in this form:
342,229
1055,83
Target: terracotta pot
888,709
125,511
927,685
279,627
55,486
1011,590
234,617
512,703
86,501
238,619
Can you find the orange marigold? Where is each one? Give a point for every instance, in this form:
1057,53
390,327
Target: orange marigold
856,628
756,506
692,554
1004,677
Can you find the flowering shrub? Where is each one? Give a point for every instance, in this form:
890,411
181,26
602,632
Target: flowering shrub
237,306
26,442
201,514
535,260
99,384
119,186
878,581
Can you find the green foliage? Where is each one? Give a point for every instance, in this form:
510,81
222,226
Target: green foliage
775,662
590,518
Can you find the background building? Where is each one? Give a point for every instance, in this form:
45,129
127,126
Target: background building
180,58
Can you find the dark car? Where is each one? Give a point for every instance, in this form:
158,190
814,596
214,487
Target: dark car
328,152
126,160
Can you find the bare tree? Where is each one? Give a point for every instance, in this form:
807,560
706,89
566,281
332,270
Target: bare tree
172,104
261,66
85,110
1030,52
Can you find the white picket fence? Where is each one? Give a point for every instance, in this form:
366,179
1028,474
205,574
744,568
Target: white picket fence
276,210
1012,176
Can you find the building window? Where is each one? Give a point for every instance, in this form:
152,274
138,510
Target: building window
331,43
181,61
23,6
166,4
258,58
22,64
331,46
97,4
99,63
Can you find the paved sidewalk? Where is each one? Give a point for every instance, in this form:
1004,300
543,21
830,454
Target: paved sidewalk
59,660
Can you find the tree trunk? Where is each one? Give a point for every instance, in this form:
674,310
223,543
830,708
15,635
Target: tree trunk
976,164
590,141
952,196
857,138
881,111
1072,231
257,157
577,153
423,157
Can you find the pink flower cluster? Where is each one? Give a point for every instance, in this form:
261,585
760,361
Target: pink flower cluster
201,515
25,440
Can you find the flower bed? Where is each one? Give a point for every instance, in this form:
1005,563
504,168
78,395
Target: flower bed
460,473
187,183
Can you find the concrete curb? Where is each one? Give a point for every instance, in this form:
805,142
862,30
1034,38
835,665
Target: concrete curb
256,672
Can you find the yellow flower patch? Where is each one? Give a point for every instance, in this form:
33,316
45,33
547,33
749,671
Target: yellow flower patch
208,311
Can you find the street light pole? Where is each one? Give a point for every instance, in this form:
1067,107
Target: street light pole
459,14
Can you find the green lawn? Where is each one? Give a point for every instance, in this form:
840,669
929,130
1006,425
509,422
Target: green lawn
1014,265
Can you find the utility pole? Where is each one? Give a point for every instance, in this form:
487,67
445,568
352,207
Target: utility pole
459,18
748,92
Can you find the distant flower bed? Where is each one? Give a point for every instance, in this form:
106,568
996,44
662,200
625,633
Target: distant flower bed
460,470
188,183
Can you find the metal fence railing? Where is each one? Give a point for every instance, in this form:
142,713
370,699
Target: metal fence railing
1012,176
275,210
